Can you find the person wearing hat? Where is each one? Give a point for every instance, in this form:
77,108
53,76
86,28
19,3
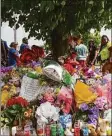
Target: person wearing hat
24,45
13,54
92,52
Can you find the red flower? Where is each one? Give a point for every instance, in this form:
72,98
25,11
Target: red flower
22,101
38,51
31,55
17,100
27,56
11,102
69,68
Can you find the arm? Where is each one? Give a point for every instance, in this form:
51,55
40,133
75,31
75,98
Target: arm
14,53
16,56
96,54
87,52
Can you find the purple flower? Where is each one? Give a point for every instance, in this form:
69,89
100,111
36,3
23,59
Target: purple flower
92,120
100,102
91,116
94,110
84,107
6,69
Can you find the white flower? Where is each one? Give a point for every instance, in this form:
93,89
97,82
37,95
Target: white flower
47,112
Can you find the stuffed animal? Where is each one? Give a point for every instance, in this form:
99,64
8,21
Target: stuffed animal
104,128
92,130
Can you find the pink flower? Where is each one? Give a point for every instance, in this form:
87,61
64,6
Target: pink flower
101,102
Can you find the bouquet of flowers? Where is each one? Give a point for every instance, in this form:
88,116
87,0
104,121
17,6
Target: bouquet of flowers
46,113
88,113
16,112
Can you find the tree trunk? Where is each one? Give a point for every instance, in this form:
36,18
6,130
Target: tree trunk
59,46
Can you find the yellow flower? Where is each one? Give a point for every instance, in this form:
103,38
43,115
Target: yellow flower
109,132
12,90
4,97
38,70
6,87
57,90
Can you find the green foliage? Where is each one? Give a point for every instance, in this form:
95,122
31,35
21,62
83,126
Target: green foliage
9,115
55,20
95,36
40,17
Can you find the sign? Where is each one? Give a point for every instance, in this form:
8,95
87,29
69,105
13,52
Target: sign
31,88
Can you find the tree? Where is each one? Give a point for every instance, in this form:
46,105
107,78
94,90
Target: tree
95,36
54,20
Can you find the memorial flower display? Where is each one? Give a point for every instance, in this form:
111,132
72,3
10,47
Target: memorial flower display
41,97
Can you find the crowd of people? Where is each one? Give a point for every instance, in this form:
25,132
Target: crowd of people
10,55
78,52
85,56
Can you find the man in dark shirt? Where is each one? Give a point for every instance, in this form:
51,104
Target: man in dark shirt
24,45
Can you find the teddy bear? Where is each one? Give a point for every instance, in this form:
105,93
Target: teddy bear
104,128
92,130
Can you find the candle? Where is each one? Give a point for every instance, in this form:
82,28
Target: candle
77,129
53,130
47,130
40,130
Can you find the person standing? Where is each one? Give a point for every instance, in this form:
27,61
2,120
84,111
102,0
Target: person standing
93,51
82,52
72,41
13,54
24,45
3,54
103,54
